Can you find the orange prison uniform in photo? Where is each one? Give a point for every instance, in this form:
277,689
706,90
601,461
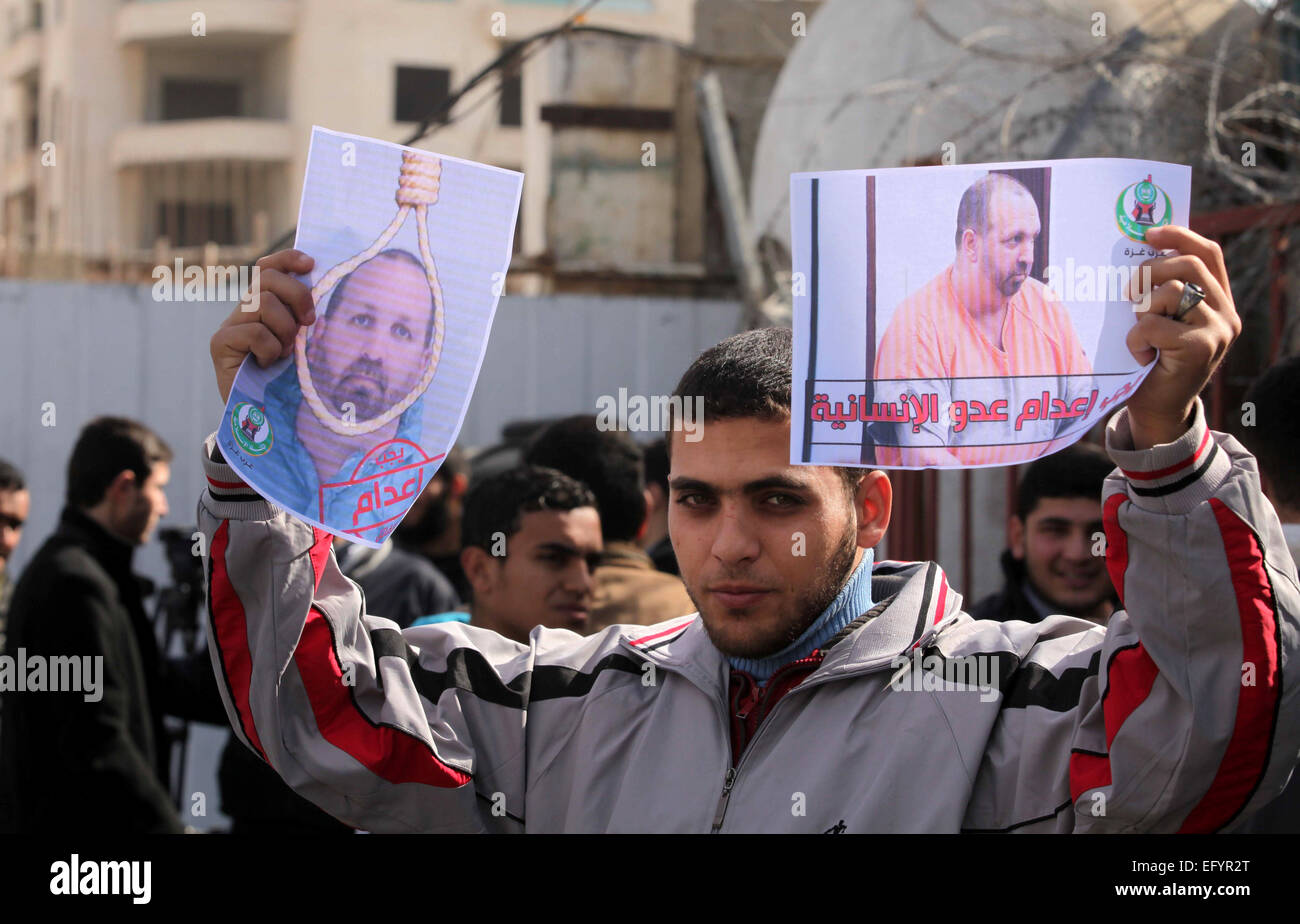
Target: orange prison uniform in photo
932,337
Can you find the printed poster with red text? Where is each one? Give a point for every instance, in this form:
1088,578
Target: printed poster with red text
967,316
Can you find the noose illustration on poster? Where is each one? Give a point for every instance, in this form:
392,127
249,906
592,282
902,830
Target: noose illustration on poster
404,342
417,188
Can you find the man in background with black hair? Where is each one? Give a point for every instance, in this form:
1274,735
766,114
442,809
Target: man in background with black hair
1273,436
531,545
1050,564
657,543
431,528
15,505
92,759
628,588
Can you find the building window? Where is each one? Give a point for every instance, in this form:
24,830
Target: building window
193,224
200,99
31,118
419,91
512,99
27,220
52,125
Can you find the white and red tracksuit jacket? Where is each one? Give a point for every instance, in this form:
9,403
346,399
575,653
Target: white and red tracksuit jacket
1181,715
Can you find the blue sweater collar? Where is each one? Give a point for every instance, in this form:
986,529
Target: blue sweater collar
853,600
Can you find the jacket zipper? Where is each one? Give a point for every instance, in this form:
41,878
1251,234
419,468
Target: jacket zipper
733,773
730,778
729,781
721,812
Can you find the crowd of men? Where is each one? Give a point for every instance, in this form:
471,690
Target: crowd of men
558,541
574,537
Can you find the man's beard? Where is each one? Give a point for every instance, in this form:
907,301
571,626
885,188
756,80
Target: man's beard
365,386
1011,284
134,525
808,606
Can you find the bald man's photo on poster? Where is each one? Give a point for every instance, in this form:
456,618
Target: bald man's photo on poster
967,316
411,250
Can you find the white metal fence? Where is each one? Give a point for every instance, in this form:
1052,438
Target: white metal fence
71,351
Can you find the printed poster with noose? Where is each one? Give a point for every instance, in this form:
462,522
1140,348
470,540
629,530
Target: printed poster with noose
411,251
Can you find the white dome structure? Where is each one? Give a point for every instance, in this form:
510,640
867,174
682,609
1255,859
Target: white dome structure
896,82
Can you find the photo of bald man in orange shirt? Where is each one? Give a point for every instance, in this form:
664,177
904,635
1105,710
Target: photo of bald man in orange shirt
984,315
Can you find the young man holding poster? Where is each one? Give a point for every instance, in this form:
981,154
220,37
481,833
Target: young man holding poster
805,662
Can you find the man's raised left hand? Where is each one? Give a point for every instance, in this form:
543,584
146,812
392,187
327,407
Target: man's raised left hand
1191,348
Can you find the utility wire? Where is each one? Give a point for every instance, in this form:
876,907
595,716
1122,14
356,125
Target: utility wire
502,61
513,55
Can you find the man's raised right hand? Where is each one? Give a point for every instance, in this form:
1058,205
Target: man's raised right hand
267,324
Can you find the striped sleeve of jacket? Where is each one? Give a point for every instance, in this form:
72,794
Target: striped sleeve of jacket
371,723
1181,715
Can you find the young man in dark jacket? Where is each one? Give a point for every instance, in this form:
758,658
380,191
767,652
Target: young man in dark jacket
15,504
1272,434
90,758
1055,561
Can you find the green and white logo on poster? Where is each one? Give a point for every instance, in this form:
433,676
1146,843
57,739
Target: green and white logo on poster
251,429
1140,206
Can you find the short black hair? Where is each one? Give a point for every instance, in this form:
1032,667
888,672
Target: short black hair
456,462
656,464
1079,470
106,447
337,295
1274,439
607,461
748,375
497,503
973,209
11,478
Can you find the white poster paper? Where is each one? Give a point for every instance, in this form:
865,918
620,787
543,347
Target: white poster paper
967,316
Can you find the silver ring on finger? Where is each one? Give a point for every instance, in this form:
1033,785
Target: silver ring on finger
1192,296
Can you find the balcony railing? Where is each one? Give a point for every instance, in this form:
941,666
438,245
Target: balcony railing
190,140
23,55
165,21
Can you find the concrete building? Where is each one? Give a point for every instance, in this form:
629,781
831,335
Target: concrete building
136,131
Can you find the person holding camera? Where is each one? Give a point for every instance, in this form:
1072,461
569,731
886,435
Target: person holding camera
86,748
